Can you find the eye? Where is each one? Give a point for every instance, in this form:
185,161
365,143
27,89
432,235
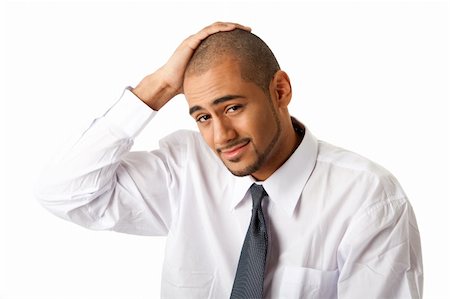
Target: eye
202,118
234,108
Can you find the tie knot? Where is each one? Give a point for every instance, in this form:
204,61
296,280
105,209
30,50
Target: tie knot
258,193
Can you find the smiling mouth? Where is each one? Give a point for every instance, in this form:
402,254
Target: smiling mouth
233,151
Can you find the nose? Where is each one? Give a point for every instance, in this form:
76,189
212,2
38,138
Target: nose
224,132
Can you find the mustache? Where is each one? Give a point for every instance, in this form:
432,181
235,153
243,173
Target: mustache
233,143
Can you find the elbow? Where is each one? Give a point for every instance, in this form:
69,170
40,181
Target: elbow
60,198
50,196
44,192
72,200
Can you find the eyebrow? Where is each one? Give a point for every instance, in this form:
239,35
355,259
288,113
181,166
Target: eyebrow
218,101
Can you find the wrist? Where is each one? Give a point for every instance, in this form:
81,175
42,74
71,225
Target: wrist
153,92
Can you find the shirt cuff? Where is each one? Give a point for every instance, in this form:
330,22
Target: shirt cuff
130,114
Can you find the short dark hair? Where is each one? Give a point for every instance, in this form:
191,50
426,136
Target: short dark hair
257,62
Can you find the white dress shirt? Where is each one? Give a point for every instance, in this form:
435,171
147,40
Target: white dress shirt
340,226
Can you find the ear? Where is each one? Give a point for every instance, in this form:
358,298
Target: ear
281,90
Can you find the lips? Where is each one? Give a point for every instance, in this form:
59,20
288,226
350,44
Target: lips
234,151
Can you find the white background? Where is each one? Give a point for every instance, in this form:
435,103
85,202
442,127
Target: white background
369,76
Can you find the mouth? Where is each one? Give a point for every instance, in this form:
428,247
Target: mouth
235,151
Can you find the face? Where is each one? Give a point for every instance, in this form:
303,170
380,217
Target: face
237,119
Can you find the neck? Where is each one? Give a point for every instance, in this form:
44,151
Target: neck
291,137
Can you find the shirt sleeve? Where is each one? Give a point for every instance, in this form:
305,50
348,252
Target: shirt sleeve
380,254
98,183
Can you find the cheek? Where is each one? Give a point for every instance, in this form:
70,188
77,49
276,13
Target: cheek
208,137
261,124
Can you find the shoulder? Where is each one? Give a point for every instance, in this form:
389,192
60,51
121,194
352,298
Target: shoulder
371,193
358,171
339,157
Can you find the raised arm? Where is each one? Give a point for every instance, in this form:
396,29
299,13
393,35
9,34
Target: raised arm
98,183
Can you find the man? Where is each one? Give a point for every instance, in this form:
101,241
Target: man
254,206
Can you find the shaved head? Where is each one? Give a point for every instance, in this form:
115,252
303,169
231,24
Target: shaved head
257,62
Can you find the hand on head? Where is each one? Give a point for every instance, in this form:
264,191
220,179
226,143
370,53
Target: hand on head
158,88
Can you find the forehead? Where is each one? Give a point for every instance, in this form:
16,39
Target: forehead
222,66
219,80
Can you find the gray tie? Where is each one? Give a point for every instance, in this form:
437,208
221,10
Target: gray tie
249,279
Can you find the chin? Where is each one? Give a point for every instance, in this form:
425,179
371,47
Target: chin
240,173
237,171
244,170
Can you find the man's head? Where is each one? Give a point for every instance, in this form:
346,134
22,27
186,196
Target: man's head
238,95
256,60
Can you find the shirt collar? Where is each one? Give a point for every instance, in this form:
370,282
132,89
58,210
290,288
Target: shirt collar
286,184
241,186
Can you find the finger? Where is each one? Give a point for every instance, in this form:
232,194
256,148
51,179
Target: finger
195,39
239,26
224,26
